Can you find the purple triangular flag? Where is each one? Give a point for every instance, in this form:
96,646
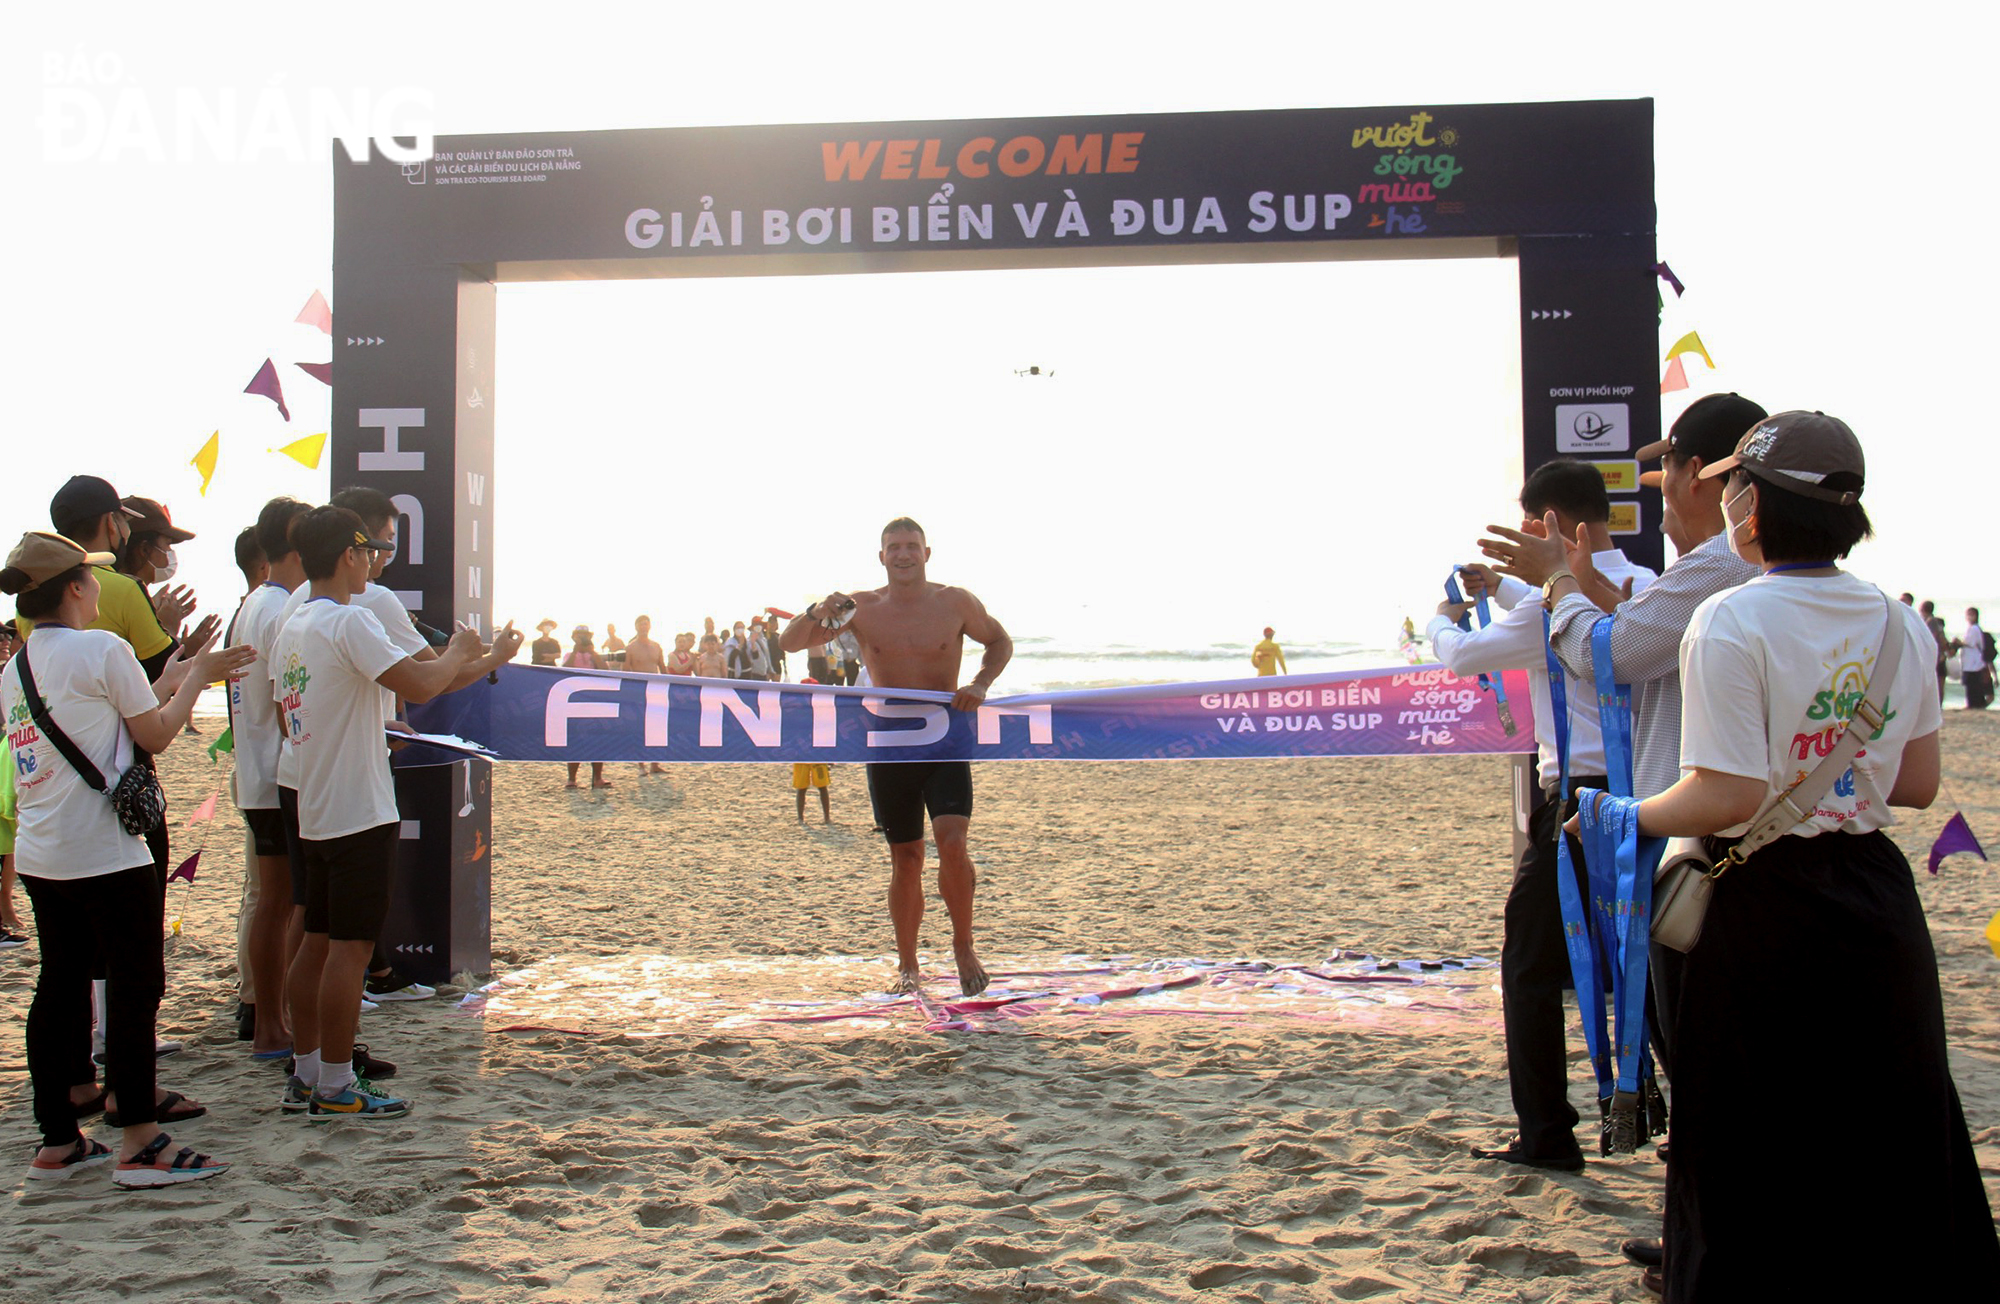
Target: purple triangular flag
319,371
265,382
186,868
1666,274
1956,837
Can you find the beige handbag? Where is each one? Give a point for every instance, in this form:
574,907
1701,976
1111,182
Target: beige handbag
1686,878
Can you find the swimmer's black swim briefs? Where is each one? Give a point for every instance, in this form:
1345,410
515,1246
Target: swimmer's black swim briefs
902,793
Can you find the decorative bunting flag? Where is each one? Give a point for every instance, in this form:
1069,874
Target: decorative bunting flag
186,868
1666,274
1676,377
319,371
1993,934
265,382
205,811
204,461
1691,343
224,742
317,314
1955,837
306,452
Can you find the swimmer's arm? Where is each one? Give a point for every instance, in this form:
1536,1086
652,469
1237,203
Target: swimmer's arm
980,627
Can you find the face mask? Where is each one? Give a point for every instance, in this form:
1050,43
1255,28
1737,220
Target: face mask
161,574
1735,544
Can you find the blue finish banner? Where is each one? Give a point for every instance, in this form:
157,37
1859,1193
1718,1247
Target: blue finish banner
547,713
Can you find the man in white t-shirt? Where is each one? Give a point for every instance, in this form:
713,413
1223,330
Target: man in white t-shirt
1534,957
1974,672
331,662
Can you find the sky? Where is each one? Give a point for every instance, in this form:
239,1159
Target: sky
1219,447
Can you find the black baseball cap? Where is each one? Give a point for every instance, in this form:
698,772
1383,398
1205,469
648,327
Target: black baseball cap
1708,429
85,498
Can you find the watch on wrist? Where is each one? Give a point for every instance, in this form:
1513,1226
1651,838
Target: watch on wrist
1549,586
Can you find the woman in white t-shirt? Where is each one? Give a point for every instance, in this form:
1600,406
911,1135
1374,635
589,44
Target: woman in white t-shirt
1817,1139
91,883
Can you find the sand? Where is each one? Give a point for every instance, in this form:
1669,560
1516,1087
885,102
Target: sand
1116,1158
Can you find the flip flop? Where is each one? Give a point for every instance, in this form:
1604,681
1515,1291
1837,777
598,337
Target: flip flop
271,1054
169,1110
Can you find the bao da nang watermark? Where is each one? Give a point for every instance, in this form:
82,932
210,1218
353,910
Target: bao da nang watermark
93,112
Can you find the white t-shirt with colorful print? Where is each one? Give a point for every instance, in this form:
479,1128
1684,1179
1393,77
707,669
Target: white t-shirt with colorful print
324,667
1773,669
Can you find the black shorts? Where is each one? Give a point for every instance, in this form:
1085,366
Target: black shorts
347,883
901,794
267,831
295,848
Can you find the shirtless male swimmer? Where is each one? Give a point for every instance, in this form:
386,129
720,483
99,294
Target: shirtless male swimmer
912,635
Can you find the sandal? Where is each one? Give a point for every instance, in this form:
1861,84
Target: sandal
173,1108
85,1154
150,1167
93,1107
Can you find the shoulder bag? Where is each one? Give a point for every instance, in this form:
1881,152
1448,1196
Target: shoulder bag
136,799
1686,878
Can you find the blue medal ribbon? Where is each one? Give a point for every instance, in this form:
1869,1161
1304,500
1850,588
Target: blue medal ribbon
1620,866
1493,684
1585,972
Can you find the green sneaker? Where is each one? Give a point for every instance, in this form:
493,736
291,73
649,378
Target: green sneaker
359,1099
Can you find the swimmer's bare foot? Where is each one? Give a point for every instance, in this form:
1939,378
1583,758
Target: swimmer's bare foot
598,783
571,784
972,978
907,981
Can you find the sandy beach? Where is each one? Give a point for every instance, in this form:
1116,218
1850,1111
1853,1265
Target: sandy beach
586,1134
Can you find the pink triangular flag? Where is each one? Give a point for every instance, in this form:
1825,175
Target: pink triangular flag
205,811
316,313
265,382
319,371
186,868
1676,377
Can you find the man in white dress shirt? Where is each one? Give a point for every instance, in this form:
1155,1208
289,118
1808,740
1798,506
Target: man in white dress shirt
1534,960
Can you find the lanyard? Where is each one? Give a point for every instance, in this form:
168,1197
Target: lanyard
1584,969
1798,565
1620,866
1493,684
1614,711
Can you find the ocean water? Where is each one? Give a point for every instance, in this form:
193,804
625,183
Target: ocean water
1044,664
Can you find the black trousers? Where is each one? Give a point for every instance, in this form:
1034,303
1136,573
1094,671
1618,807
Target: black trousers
116,917
1978,689
1534,973
1820,1148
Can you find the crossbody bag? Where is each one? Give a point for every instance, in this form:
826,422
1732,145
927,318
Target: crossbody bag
1686,878
136,798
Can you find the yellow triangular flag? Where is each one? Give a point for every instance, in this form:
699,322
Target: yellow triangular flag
1691,343
306,452
1993,935
204,461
